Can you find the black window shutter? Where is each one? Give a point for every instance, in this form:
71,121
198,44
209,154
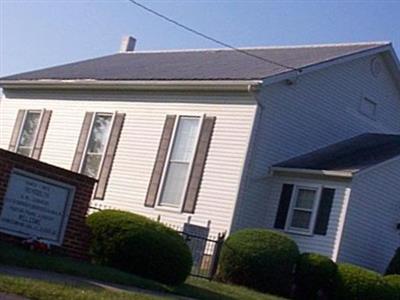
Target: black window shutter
324,211
155,180
199,164
284,203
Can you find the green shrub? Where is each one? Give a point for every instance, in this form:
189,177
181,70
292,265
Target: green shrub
315,274
140,246
356,283
394,282
260,259
394,265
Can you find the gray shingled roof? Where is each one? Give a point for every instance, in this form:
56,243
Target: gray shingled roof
353,155
196,65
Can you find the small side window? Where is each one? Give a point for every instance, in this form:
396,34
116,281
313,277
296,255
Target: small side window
368,108
303,209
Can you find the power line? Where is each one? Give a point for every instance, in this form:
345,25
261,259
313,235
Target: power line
211,38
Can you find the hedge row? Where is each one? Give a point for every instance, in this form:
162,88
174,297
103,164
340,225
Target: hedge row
140,246
257,258
270,262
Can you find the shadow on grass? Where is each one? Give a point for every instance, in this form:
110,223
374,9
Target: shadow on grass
190,290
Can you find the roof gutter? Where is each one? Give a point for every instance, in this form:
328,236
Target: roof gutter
346,174
249,86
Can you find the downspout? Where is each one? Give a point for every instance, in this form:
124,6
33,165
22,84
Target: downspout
254,90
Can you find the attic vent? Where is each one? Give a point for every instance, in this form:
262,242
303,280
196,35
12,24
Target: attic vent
368,108
376,67
127,44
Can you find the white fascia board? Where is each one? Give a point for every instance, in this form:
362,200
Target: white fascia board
345,174
293,74
250,86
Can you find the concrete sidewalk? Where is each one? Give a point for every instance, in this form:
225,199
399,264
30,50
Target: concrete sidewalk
74,280
4,296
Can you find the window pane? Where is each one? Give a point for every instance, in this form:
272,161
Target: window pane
24,151
174,184
91,165
185,139
301,219
305,198
99,134
29,129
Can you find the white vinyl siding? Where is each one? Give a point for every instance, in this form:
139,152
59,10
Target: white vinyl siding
319,109
138,145
370,236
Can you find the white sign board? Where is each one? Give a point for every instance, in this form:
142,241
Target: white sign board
36,207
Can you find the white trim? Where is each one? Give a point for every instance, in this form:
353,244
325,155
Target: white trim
346,174
103,154
264,47
341,224
306,186
139,85
179,209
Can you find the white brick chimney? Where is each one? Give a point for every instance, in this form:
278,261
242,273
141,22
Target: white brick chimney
127,44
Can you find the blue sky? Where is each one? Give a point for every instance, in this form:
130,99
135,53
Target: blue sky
36,34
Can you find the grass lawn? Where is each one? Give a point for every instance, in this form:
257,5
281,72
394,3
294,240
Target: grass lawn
193,288
42,290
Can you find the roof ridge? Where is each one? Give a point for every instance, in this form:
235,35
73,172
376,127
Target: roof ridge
377,43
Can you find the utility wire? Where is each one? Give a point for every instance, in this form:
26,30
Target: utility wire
211,38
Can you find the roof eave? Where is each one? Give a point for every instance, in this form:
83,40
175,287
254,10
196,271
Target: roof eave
292,74
250,86
328,173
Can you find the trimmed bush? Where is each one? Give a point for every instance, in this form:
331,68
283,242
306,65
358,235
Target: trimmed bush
260,259
315,275
394,282
356,283
394,265
138,245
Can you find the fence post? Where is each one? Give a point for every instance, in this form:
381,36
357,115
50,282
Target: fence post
217,252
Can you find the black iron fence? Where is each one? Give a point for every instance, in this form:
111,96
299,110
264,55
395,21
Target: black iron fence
205,253
205,248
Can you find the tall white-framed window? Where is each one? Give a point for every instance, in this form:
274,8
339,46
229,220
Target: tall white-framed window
28,134
303,209
96,144
179,162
